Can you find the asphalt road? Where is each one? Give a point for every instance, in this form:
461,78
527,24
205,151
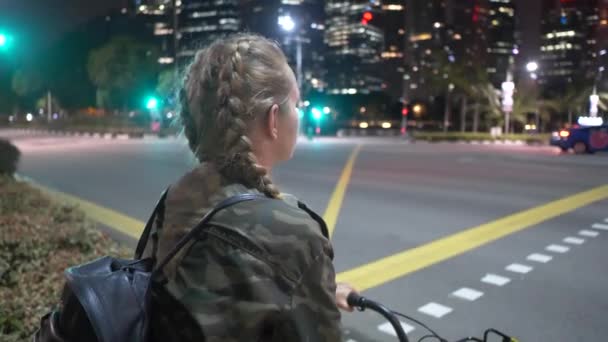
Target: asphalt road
402,196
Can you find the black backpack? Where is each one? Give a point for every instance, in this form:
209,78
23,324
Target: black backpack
109,299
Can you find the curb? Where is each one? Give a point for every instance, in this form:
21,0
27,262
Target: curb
96,135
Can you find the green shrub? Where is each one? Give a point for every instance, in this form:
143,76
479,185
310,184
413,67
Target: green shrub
39,239
467,137
9,158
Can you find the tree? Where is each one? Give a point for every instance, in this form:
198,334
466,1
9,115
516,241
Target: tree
572,101
27,82
121,70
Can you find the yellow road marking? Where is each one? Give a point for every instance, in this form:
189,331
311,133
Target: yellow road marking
335,202
115,220
384,270
401,264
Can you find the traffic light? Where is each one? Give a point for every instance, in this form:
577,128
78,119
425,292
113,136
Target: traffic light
405,112
316,114
5,40
152,103
367,17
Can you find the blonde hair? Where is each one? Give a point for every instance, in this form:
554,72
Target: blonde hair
228,85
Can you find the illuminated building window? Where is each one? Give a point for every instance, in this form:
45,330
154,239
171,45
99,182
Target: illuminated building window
392,7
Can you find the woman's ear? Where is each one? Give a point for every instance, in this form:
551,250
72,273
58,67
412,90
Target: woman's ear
271,126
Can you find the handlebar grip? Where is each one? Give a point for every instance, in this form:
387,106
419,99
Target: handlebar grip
355,300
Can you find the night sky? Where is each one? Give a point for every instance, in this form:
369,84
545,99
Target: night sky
40,22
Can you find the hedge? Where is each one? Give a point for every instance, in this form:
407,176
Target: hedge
468,137
39,239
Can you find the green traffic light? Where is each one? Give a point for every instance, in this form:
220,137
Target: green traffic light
152,103
316,114
5,40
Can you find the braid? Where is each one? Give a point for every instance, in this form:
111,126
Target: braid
240,159
227,85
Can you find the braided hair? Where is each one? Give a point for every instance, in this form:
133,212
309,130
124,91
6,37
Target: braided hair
228,85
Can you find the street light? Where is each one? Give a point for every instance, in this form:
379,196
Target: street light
288,25
286,22
532,66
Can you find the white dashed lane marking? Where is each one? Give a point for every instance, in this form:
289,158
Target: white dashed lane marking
557,248
574,240
588,233
435,310
495,279
537,257
388,328
467,294
600,226
519,268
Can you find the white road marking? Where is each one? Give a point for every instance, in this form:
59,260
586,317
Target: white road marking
519,268
574,240
557,248
495,280
467,294
588,233
388,328
350,340
600,226
539,258
435,310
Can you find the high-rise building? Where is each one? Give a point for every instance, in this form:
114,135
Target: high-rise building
202,21
440,32
500,40
467,31
569,44
198,23
307,17
159,18
425,27
393,56
354,44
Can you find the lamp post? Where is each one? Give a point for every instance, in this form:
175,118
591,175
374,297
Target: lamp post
532,67
288,25
594,98
447,109
508,88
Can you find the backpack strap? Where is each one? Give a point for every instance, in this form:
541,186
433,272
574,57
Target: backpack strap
317,218
202,225
158,210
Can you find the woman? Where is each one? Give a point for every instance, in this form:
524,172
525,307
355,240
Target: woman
263,271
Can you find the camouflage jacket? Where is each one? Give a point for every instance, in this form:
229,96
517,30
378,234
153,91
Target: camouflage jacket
262,271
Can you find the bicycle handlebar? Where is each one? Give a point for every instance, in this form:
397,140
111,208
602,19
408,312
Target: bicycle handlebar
361,303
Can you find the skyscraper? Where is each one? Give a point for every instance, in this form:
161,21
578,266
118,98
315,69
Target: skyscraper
354,46
393,25
501,40
262,16
158,17
198,23
440,32
203,21
425,25
569,45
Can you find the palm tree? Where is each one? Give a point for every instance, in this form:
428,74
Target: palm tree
573,100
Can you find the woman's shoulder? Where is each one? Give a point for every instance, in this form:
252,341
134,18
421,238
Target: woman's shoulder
286,232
